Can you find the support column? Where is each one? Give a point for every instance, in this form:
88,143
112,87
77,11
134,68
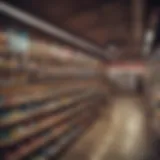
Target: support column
137,24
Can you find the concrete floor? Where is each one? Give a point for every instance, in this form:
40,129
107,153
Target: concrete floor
122,133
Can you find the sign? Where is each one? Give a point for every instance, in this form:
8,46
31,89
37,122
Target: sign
18,42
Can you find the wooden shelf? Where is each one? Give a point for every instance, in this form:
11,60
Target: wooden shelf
47,123
67,139
14,100
47,108
31,88
40,141
42,125
37,143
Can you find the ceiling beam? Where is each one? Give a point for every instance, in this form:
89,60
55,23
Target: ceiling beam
52,30
137,24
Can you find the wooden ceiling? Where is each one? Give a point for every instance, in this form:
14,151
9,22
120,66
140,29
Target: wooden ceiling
98,21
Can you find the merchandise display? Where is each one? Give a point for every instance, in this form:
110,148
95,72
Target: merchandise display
49,96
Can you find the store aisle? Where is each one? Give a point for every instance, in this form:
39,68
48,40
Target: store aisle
120,134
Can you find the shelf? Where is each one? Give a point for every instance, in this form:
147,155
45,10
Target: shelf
11,101
54,149
52,106
37,143
4,52
31,88
42,125
47,123
13,65
26,88
62,143
10,65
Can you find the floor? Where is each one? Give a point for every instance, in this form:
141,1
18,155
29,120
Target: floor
121,133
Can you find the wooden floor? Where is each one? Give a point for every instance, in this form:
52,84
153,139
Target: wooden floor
122,133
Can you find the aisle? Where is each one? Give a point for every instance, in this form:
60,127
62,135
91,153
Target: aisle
118,135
